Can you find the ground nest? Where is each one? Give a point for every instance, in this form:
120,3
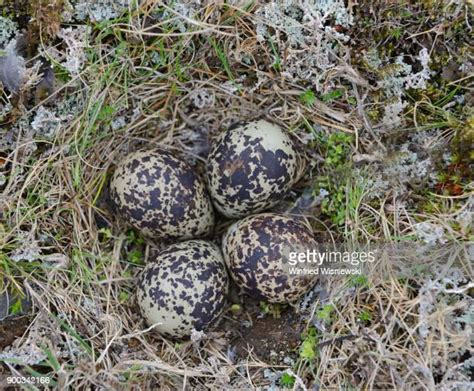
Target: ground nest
378,96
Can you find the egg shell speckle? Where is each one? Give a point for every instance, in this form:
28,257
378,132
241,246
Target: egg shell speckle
184,288
251,167
254,250
159,194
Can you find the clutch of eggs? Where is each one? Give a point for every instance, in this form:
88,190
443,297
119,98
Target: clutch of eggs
251,167
184,288
159,194
255,250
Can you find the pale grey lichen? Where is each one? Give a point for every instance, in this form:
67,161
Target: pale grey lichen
430,233
91,307
45,123
202,98
118,122
465,219
76,40
418,80
446,298
183,13
8,29
411,165
99,10
392,117
372,59
197,336
5,108
304,35
28,250
397,79
28,354
406,166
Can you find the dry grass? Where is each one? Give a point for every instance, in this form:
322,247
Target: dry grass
85,332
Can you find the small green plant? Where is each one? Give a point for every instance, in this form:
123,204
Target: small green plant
135,256
396,33
123,296
360,281
325,313
308,346
221,54
365,316
332,95
271,309
16,307
135,244
106,233
134,238
236,309
308,98
277,62
287,380
335,148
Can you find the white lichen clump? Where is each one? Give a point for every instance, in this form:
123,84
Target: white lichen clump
45,122
430,233
304,33
28,250
8,29
202,98
76,43
396,81
48,122
99,10
410,166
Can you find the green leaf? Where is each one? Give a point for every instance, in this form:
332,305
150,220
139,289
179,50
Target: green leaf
308,98
287,380
16,307
307,349
331,95
136,257
123,296
325,313
365,316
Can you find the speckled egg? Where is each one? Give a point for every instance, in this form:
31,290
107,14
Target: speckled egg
160,195
251,167
184,288
255,250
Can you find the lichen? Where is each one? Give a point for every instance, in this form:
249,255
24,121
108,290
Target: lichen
28,250
396,79
99,10
430,233
306,36
45,123
8,30
76,43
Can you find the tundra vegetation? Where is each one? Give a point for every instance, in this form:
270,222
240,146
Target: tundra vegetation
379,96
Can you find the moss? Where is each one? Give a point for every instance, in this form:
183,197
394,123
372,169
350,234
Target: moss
46,18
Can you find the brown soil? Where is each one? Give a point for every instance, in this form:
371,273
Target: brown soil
269,338
12,328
